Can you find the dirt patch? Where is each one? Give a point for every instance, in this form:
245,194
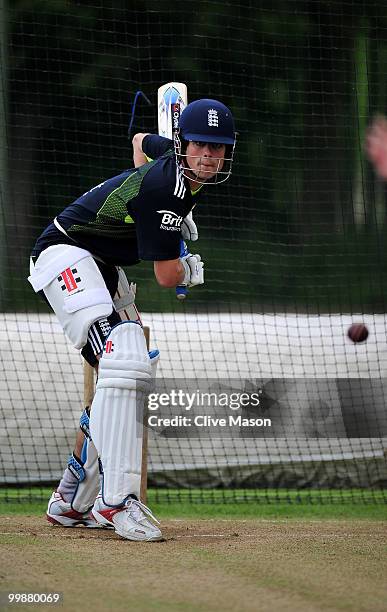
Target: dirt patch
202,565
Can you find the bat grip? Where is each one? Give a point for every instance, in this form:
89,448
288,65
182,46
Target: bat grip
182,290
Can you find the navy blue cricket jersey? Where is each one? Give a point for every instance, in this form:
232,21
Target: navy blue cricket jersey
135,215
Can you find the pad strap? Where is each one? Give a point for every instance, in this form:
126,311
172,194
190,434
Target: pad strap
76,468
84,422
52,261
85,299
87,487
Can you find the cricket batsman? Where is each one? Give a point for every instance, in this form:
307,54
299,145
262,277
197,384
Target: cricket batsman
140,214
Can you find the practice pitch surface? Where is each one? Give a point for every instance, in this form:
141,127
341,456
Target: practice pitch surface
202,565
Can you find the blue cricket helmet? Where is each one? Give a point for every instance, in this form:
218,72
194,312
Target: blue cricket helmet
207,120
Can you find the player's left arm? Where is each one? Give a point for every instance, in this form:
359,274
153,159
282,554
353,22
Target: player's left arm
169,273
154,147
187,271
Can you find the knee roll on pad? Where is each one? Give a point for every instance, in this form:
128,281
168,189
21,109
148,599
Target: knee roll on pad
74,288
124,380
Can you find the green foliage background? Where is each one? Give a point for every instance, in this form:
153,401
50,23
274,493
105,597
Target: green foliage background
300,227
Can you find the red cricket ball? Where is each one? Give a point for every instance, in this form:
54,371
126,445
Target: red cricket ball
358,332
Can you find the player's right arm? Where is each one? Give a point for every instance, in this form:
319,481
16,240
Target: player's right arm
147,147
139,157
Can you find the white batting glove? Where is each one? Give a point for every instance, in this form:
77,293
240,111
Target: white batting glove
189,231
193,270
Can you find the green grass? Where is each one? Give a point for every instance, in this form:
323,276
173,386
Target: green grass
242,504
272,511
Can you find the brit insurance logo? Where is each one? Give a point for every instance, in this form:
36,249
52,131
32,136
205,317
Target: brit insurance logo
170,221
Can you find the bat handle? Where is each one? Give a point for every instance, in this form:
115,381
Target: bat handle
182,290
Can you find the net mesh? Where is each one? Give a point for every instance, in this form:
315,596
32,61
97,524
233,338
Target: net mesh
293,243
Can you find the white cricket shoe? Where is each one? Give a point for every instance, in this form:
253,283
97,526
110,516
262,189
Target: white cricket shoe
129,521
61,513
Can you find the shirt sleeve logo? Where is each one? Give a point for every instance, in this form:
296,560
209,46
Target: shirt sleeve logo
170,220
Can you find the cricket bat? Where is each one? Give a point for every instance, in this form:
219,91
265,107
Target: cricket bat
172,98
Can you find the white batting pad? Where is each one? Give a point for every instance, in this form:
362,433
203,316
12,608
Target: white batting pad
75,289
87,489
124,380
